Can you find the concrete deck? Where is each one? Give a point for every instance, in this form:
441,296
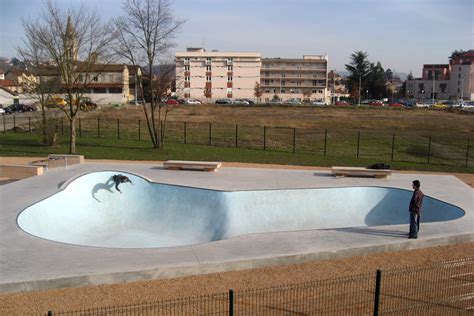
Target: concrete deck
31,263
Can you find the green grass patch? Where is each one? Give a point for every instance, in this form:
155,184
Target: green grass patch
372,150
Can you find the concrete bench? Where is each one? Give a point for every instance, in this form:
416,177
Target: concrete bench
360,172
18,172
191,165
69,159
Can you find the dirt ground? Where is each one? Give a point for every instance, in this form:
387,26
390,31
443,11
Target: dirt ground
148,291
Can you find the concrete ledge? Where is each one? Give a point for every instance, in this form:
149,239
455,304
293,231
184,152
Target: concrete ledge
191,165
174,272
360,172
69,159
18,172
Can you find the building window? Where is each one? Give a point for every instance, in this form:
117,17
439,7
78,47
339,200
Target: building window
315,83
208,59
96,78
459,68
283,75
230,59
186,78
320,91
267,91
208,68
443,87
267,82
459,75
208,78
283,82
229,90
229,78
459,90
186,68
230,68
282,91
115,90
314,91
186,59
459,83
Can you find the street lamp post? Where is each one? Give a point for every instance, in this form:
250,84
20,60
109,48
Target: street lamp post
366,94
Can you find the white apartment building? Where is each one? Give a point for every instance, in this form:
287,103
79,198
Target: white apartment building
295,78
215,75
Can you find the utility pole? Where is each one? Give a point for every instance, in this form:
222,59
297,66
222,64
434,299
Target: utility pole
334,86
433,90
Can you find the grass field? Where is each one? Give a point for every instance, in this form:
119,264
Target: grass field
406,139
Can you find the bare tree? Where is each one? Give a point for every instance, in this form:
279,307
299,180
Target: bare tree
76,45
37,57
144,34
257,91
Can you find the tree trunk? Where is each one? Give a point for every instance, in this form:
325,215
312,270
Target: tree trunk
72,137
43,114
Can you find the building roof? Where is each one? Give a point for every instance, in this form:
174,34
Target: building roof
217,54
293,60
48,70
8,83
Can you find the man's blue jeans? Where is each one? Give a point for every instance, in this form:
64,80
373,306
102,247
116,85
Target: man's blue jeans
414,224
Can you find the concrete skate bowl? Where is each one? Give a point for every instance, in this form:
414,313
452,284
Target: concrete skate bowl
90,212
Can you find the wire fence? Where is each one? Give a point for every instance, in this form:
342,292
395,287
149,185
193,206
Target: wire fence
443,288
449,148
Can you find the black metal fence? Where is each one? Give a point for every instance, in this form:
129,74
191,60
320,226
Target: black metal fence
443,288
448,148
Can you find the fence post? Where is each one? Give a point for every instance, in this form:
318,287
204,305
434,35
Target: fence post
162,133
184,132
80,128
118,128
210,134
294,139
139,130
429,149
264,138
98,127
358,143
231,302
393,146
378,281
467,152
4,125
236,135
62,126
325,140
29,124
14,123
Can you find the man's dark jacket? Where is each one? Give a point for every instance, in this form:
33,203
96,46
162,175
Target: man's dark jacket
416,201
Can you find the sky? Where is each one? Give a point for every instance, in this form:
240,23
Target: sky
401,34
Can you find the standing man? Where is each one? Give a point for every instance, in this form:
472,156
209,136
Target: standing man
415,210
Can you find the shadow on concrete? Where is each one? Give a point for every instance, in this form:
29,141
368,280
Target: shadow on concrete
372,231
60,184
103,186
323,174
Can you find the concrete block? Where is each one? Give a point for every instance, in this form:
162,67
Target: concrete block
18,172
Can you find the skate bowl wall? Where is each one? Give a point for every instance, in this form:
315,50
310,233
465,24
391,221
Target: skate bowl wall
89,211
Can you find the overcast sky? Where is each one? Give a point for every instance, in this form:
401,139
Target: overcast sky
401,34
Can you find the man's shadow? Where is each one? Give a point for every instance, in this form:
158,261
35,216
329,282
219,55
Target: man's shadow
103,186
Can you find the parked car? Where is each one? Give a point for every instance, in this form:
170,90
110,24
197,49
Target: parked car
376,103
2,110
224,101
396,105
423,104
241,101
193,101
319,103
439,105
19,108
172,101
468,105
293,102
138,101
275,101
341,103
181,101
249,101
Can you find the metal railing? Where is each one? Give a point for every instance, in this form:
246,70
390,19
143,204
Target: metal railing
452,149
442,288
